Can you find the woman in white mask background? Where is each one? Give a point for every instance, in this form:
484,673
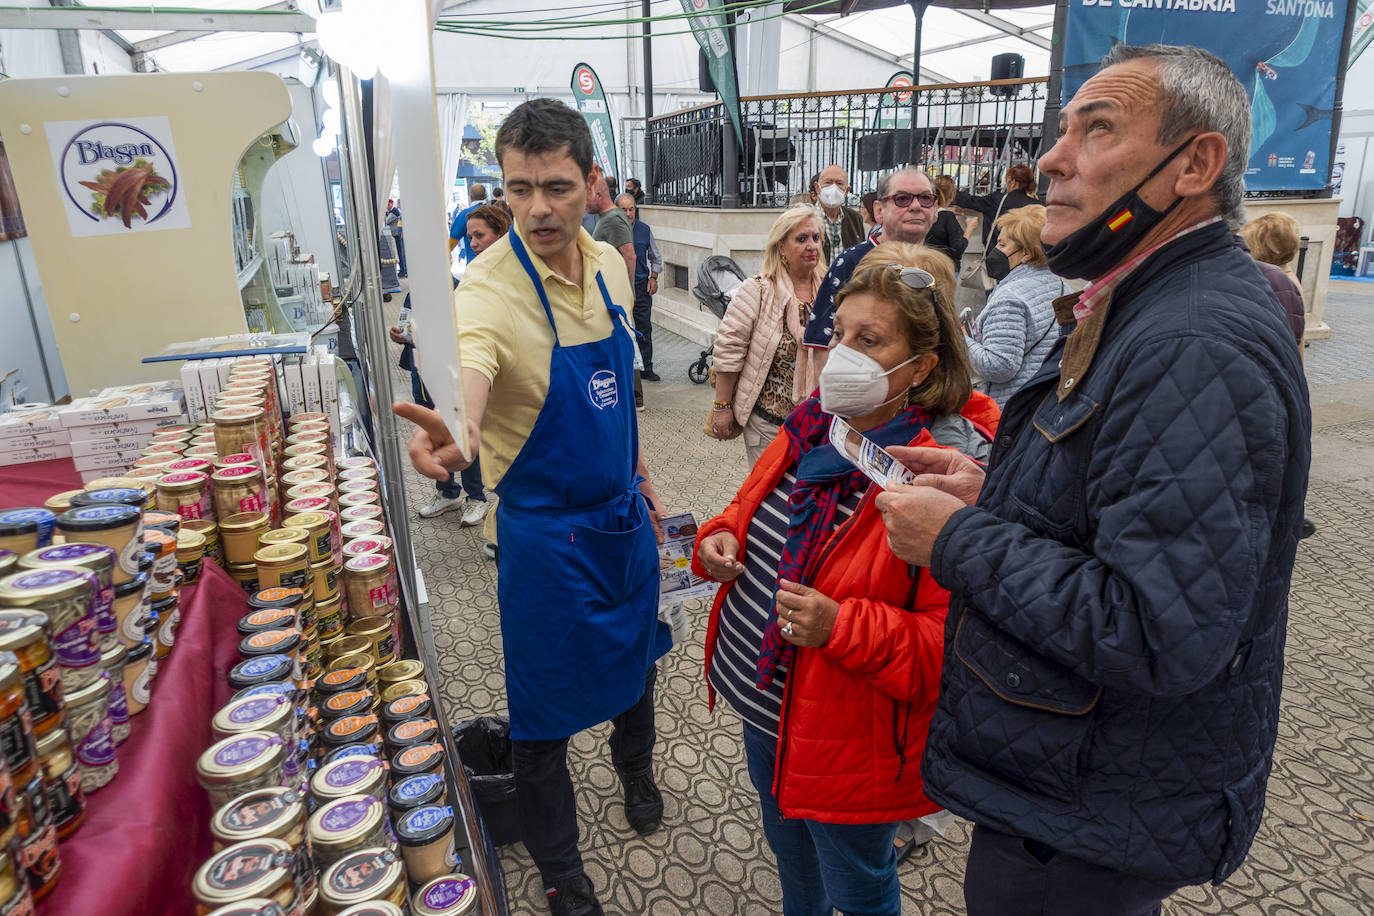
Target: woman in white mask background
827,646
760,371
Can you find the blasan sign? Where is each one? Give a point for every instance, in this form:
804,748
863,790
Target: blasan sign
117,176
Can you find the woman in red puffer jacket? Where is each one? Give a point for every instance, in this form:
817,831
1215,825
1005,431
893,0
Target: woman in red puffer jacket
826,644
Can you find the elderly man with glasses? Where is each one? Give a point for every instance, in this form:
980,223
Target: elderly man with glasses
905,209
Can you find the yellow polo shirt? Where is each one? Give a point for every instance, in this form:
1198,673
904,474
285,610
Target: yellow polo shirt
504,334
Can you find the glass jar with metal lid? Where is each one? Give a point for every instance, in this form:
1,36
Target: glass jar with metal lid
62,782
402,708
239,535
285,535
344,825
266,669
378,633
359,498
169,522
241,429
26,634
347,703
244,574
104,496
349,645
139,669
319,528
254,906
329,617
238,489
271,713
163,547
187,493
359,513
350,730
449,895
356,461
194,463
357,485
419,758
36,855
296,599
306,463
400,689
325,579
92,733
65,595
60,502
296,419
303,476
275,642
117,526
227,461
284,565
277,812
207,529
110,483
369,584
133,601
25,529
425,835
350,776
402,669
367,875
359,473
361,529
363,660
18,745
415,791
168,612
338,680
113,659
240,763
190,555
308,504
262,868
272,618
97,558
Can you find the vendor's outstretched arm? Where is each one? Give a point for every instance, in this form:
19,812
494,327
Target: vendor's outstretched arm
432,449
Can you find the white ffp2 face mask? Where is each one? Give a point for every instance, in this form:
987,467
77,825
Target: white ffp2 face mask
832,195
855,385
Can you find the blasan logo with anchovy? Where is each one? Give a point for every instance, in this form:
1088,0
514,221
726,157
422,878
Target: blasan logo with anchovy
121,169
119,174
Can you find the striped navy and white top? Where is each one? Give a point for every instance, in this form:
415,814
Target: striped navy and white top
744,614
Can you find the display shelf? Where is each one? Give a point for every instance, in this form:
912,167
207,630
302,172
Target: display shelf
249,271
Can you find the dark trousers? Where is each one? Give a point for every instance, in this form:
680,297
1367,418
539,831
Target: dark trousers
544,790
643,308
1013,876
401,253
470,476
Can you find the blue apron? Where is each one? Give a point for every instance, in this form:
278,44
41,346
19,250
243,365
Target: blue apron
577,575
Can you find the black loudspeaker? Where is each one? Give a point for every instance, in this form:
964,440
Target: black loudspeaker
704,81
1009,66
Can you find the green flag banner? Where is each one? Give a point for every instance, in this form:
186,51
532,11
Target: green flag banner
709,27
591,101
894,108
1364,32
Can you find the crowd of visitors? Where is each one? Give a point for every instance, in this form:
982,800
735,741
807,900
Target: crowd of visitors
1067,628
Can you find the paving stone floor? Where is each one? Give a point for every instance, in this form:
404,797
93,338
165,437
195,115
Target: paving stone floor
1314,853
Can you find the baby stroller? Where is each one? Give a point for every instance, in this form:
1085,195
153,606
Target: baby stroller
717,279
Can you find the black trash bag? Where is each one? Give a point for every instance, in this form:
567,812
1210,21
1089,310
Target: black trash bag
484,747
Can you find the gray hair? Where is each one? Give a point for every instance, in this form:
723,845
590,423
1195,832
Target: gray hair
626,199
1199,92
886,180
478,191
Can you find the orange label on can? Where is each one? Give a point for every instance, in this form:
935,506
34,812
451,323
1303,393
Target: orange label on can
268,638
269,615
346,699
420,753
341,676
411,729
408,704
276,594
350,725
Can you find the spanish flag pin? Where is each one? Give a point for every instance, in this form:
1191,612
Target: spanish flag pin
1121,219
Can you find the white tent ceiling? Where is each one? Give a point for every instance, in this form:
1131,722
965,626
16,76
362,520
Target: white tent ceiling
956,45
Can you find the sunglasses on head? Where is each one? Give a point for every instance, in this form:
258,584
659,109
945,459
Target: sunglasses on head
903,199
914,277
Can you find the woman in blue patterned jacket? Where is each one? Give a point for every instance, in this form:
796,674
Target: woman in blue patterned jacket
1016,329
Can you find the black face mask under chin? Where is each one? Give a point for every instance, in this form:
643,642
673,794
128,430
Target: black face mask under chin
1093,250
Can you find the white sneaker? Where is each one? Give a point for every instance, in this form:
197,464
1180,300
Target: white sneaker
474,512
439,505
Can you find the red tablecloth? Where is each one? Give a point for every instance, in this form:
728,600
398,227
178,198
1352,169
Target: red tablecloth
147,832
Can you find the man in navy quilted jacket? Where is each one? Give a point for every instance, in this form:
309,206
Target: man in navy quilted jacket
1114,649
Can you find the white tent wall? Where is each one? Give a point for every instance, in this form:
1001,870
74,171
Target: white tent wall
1357,136
29,344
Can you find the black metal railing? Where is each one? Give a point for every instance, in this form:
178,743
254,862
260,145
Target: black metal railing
971,131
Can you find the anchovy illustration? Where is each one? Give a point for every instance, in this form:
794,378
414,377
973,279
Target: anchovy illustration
1313,115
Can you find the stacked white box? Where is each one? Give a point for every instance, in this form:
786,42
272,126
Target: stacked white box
310,380
108,431
329,391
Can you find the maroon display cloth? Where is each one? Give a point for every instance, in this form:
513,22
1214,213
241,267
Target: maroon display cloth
147,832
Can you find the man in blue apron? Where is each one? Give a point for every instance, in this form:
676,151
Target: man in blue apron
548,356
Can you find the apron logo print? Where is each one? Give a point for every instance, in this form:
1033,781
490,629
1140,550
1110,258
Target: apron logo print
602,390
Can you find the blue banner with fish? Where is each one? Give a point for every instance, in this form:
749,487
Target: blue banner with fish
1285,53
